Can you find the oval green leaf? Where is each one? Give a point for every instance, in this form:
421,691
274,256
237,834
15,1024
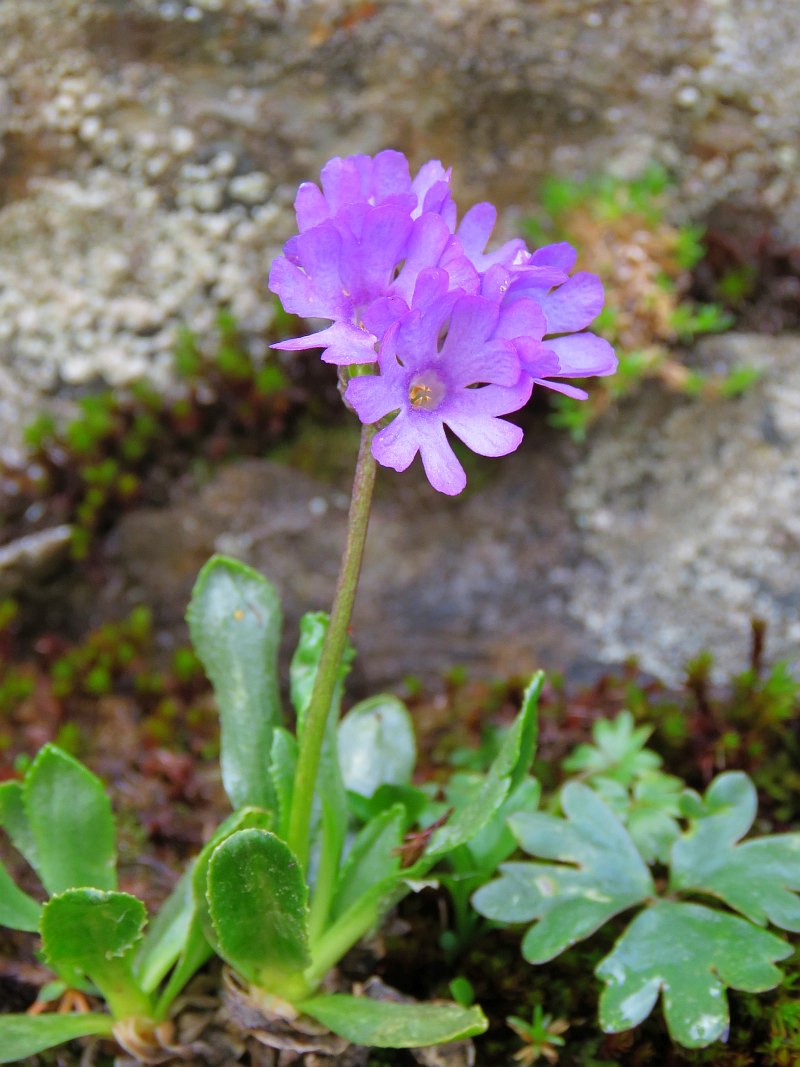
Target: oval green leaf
18,911
22,1036
377,745
86,927
234,620
71,823
258,903
389,1024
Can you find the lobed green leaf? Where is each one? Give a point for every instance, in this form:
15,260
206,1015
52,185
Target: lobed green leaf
759,878
689,954
599,873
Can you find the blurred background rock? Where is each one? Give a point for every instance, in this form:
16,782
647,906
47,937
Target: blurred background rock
149,154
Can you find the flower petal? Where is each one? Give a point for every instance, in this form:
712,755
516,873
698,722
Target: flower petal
462,273
310,206
520,318
378,316
432,284
396,444
494,361
488,401
562,387
536,357
473,321
430,174
372,397
319,253
573,305
299,293
484,434
442,469
342,181
343,342
561,255
583,354
390,175
427,241
368,264
476,229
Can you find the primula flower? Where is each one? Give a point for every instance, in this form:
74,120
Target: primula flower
384,178
364,237
466,384
384,258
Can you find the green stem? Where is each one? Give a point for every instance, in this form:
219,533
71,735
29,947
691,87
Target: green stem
332,650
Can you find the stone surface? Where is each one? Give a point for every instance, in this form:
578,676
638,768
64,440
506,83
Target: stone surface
479,581
691,519
149,153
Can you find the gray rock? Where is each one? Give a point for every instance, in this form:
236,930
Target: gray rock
32,559
480,580
151,151
691,519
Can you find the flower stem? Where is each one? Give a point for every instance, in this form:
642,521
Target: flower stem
332,650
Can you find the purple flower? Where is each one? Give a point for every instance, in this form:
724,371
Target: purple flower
459,335
466,384
569,304
384,178
359,269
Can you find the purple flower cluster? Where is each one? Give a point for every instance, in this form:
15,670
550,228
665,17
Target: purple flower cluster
458,336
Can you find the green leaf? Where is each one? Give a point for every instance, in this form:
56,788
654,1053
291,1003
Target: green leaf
166,935
330,813
95,932
15,822
758,878
18,911
258,902
179,933
389,1024
377,745
372,858
618,751
506,772
283,763
71,822
599,874
196,950
243,819
22,1036
495,842
414,800
82,926
650,809
305,660
690,954
234,620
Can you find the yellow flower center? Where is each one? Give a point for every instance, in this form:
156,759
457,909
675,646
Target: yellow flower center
426,392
